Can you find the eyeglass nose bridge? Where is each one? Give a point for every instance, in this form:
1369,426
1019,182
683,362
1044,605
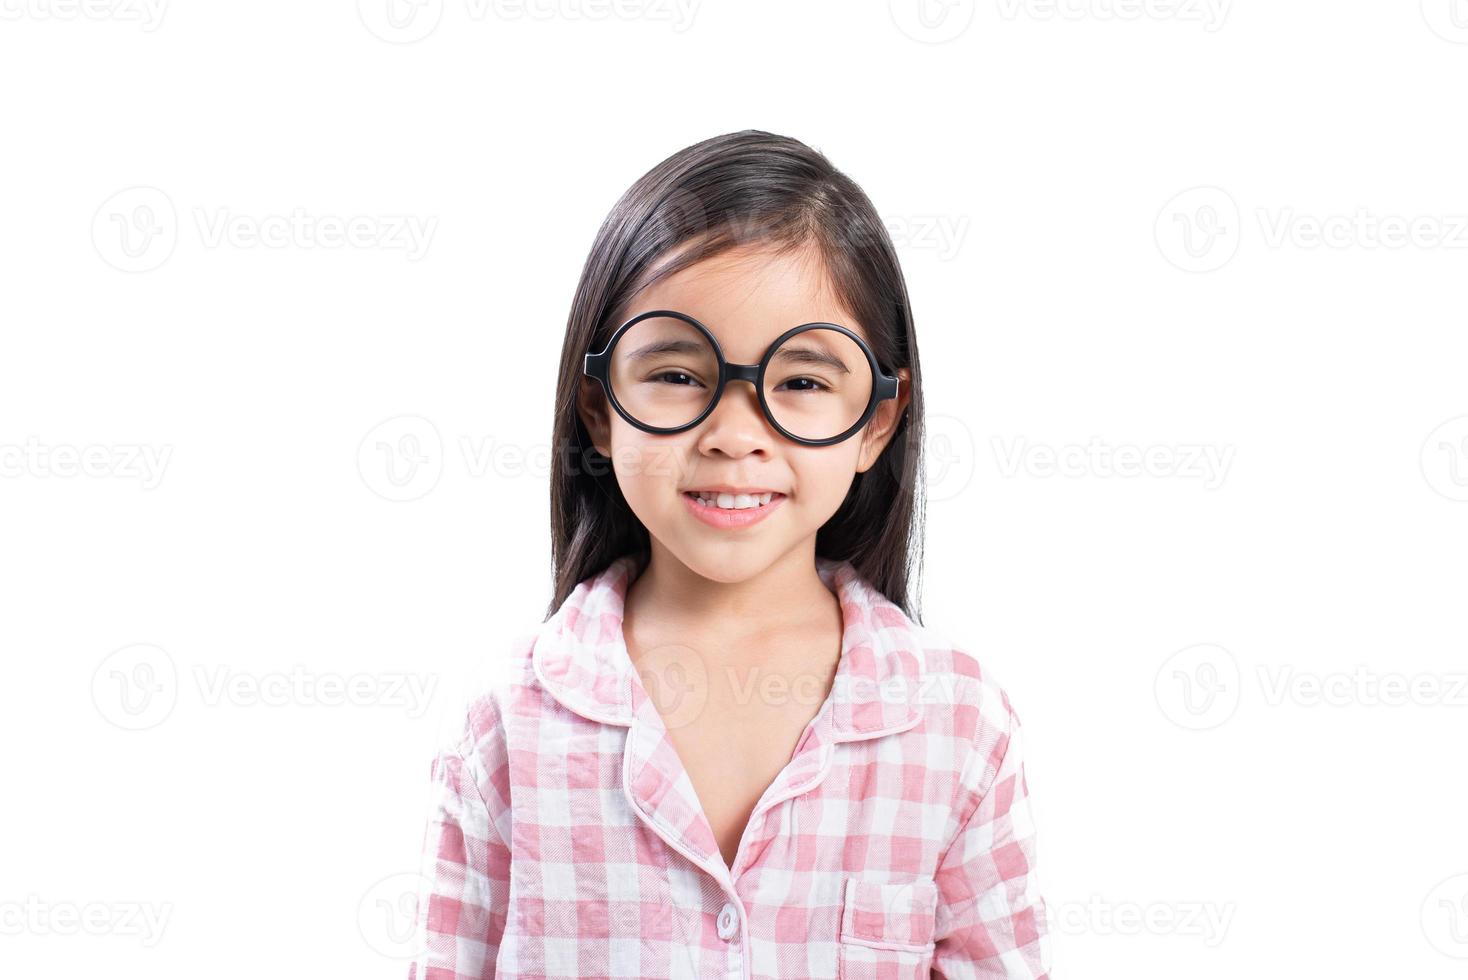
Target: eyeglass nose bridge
742,372
738,372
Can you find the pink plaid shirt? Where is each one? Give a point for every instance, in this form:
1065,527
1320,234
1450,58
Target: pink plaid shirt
567,840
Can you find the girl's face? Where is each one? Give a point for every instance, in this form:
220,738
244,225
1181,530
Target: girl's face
746,297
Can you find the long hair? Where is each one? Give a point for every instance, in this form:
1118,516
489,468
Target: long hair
740,189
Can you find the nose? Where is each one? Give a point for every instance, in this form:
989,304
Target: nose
737,425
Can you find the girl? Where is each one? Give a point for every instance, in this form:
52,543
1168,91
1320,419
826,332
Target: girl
732,750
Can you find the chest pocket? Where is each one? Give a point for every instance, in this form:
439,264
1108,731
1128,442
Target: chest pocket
887,929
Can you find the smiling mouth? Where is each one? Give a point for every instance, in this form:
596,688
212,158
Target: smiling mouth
732,501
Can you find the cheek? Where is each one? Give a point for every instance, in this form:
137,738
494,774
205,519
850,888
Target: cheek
649,468
823,475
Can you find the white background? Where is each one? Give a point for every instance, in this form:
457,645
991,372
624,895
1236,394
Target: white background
1227,780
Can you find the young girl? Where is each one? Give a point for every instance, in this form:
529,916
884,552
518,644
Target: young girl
730,751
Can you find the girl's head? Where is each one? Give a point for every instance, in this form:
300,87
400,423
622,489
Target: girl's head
750,234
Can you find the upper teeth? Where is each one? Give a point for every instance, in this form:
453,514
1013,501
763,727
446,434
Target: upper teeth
732,501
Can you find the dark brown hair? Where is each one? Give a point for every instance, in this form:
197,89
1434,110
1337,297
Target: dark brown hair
741,189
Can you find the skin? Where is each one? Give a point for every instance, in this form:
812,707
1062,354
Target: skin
736,612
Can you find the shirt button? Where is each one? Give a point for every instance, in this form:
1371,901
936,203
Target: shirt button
728,922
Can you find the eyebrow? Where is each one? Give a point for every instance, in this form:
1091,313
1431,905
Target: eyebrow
811,355
656,348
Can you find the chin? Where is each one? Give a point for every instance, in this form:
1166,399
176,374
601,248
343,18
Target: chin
729,563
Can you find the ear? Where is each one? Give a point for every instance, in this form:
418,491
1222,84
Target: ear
592,406
878,433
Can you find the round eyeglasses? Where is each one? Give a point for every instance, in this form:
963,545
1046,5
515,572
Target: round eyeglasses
664,372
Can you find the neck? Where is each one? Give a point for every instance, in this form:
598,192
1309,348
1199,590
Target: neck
788,592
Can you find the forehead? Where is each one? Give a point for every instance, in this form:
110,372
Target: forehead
749,296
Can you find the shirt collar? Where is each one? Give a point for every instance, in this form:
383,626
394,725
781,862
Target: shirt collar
581,658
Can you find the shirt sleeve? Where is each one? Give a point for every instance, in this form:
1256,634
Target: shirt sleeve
991,916
465,887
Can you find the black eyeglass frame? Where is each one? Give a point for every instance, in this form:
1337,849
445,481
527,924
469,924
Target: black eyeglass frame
598,367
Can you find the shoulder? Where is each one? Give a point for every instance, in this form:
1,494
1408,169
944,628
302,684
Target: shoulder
501,688
963,697
474,740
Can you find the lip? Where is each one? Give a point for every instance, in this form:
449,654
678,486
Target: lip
727,488
731,519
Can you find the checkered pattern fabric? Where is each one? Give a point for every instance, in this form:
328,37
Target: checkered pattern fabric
566,839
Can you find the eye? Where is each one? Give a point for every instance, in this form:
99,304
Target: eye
679,378
813,384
